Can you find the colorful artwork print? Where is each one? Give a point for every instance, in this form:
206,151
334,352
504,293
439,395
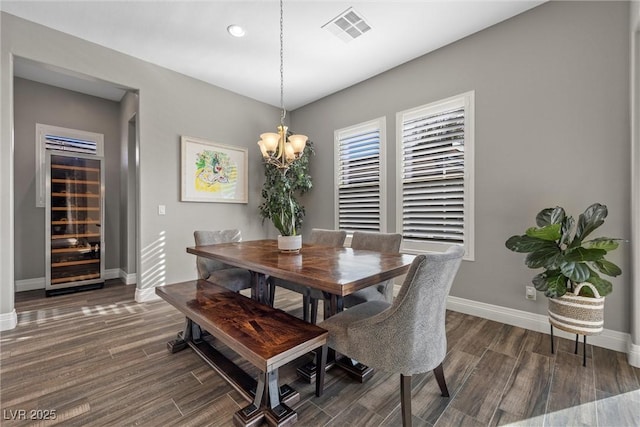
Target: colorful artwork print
215,173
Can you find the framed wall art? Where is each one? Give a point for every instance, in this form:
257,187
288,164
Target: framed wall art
213,172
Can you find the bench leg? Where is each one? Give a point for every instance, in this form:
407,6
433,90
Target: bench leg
191,332
277,413
266,405
253,414
321,364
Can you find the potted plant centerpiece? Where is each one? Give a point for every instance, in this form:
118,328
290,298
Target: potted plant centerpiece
572,266
279,202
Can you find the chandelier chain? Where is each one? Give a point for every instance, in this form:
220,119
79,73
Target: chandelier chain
284,112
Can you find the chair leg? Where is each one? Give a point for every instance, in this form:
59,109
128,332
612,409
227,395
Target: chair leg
405,399
439,374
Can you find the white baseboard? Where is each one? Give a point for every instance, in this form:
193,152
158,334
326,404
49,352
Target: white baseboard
8,320
38,282
112,273
612,340
128,279
633,354
146,295
30,284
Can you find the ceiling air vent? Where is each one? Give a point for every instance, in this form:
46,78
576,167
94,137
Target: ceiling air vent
348,25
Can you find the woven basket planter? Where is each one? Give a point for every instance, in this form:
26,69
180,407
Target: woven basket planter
576,314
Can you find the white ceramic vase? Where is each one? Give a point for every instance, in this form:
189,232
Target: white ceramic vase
290,244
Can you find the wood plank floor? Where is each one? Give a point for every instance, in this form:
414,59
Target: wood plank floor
99,359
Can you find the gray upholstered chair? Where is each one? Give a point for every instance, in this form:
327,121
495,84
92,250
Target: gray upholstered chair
232,278
408,336
379,242
309,306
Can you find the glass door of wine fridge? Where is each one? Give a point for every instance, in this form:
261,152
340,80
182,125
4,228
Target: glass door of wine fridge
74,218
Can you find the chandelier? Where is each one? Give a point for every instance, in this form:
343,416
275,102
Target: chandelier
276,148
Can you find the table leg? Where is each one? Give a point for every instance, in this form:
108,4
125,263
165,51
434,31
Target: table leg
354,368
260,288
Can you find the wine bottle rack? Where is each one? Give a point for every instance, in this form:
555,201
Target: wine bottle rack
75,214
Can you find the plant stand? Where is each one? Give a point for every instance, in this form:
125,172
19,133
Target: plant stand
584,347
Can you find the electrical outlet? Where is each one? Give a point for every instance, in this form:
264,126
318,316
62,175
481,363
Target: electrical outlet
530,293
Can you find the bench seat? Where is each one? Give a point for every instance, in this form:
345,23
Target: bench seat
264,336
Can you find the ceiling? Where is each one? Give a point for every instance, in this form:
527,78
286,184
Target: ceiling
190,37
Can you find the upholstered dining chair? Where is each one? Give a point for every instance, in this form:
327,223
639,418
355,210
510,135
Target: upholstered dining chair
407,336
379,242
318,236
232,278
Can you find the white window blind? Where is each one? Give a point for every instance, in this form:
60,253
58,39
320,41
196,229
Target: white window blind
435,180
360,178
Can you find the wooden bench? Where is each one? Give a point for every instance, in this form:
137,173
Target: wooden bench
266,337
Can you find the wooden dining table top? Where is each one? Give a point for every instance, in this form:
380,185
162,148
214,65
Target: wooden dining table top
336,270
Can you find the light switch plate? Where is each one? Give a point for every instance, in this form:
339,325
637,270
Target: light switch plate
161,210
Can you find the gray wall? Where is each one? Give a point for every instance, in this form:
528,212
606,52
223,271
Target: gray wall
39,103
552,128
170,105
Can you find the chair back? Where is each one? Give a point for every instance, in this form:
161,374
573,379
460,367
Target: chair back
206,237
334,238
411,334
379,242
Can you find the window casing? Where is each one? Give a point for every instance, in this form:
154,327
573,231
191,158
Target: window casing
360,177
435,144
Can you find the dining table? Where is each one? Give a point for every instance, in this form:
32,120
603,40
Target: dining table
336,271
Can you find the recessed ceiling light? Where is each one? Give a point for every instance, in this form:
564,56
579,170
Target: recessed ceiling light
235,30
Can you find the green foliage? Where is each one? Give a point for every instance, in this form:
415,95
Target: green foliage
557,245
279,203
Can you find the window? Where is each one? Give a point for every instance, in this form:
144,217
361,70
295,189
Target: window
435,184
360,178
61,139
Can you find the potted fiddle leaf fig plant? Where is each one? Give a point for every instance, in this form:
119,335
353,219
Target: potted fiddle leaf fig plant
572,266
280,204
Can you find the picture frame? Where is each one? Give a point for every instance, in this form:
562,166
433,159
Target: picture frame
212,172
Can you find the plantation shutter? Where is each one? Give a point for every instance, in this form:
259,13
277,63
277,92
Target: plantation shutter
433,176
359,182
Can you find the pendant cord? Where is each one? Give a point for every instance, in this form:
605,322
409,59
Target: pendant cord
284,112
